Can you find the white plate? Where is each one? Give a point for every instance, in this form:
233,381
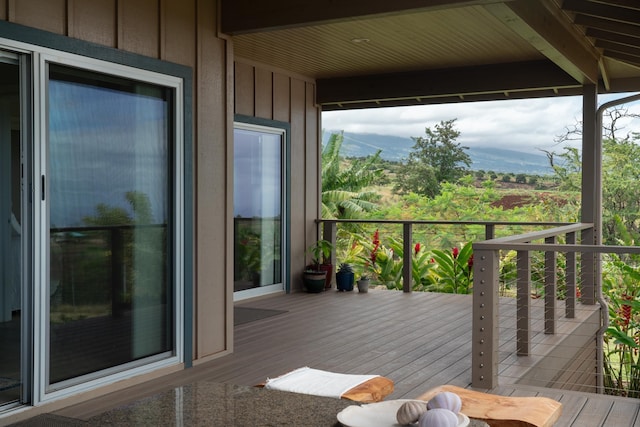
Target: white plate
380,414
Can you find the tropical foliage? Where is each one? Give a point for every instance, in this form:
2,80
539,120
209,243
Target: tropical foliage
345,192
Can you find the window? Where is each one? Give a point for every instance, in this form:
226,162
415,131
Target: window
259,209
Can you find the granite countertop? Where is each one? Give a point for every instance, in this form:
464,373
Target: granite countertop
207,403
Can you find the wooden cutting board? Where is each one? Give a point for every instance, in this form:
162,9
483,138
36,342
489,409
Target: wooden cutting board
503,411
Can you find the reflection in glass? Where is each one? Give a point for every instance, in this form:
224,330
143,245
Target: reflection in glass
257,208
110,218
10,234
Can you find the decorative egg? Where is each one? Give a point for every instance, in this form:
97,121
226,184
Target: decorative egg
409,412
446,400
438,418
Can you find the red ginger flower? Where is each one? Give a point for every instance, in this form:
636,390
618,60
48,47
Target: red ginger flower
626,309
416,249
376,245
470,262
455,252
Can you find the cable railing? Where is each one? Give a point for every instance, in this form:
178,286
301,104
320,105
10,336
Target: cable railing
327,230
559,343
543,321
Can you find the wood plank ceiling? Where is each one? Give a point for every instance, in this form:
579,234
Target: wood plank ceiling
367,53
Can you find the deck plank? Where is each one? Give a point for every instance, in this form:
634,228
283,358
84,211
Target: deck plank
419,340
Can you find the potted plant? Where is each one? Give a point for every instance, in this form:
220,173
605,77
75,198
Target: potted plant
363,284
345,277
317,275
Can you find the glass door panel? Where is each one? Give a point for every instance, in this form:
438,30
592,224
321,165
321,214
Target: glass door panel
258,188
10,233
110,213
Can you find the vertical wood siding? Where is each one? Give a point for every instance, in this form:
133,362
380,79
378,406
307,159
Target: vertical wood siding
94,21
184,32
276,95
48,15
139,27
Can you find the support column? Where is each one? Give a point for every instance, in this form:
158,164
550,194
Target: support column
591,192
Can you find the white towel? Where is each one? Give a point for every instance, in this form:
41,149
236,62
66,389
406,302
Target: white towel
316,382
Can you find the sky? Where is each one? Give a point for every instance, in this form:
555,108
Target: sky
524,125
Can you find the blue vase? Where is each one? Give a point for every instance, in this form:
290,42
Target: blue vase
344,280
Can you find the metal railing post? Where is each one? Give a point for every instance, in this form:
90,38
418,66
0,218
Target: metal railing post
407,264
484,346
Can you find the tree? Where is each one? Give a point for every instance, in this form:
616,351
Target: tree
434,159
620,175
344,189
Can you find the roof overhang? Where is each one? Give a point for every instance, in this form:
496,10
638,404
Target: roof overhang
368,53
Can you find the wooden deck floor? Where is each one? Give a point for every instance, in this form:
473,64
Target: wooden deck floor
419,340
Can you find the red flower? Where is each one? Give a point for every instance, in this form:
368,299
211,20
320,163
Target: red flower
433,261
455,252
373,256
470,262
416,249
626,310
376,245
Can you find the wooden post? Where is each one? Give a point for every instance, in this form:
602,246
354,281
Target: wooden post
550,288
489,231
591,192
329,232
484,346
523,303
407,257
570,274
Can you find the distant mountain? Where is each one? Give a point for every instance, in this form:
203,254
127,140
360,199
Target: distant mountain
396,148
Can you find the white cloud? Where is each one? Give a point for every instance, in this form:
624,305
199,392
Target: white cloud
524,125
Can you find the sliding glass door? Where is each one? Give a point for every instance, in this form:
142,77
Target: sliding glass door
92,221
110,215
11,242
259,183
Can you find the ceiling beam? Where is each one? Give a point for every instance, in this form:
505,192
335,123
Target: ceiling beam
613,37
629,4
549,30
618,47
500,78
250,16
601,10
607,25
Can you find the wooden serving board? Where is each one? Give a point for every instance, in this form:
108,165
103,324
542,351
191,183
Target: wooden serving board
503,411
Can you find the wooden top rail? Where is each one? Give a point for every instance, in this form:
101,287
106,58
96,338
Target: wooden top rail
437,222
559,248
535,235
